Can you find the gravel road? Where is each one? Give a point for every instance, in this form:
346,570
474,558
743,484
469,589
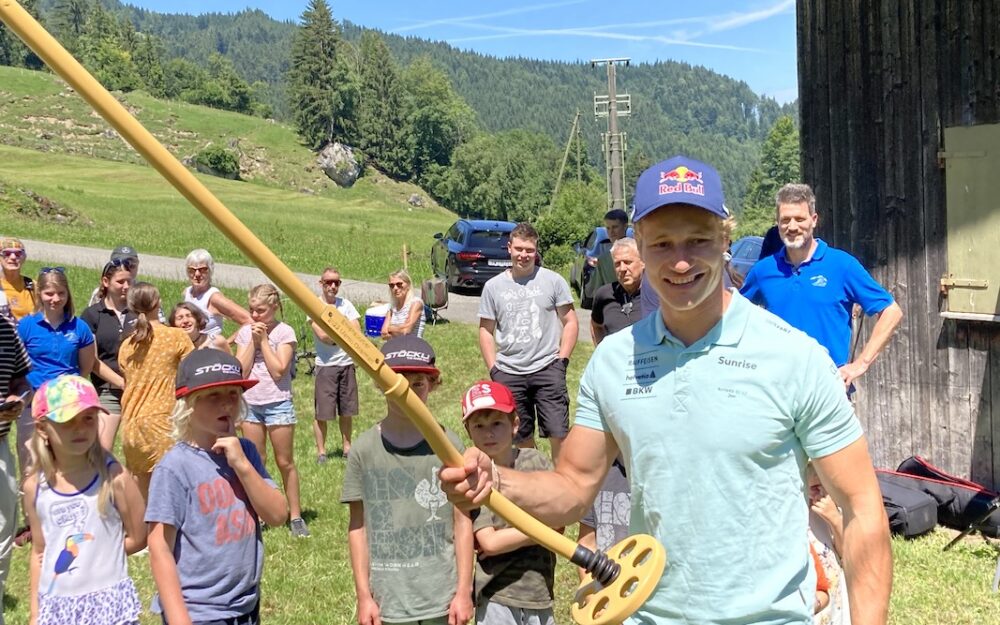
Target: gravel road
461,308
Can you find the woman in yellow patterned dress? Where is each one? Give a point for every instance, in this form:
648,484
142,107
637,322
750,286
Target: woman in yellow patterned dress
148,359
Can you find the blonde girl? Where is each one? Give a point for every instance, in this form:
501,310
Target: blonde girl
85,511
265,348
406,310
58,342
148,359
207,497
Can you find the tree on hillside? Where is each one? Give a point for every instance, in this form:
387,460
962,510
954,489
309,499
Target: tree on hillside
147,59
508,175
100,50
578,208
12,51
637,160
439,119
381,110
779,165
321,88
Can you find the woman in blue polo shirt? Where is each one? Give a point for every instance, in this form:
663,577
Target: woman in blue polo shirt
58,342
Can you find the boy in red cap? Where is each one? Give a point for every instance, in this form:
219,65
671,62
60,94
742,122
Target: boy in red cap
514,576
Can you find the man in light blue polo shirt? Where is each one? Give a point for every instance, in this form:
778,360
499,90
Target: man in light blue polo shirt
714,405
814,287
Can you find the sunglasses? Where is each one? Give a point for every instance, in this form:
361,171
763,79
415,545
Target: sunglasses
330,282
61,270
194,270
396,285
124,263
18,253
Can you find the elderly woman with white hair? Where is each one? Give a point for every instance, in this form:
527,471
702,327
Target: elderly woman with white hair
209,299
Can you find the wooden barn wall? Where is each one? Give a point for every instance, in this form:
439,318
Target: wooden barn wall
878,80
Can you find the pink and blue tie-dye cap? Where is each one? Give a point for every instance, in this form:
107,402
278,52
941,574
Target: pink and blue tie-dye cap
62,399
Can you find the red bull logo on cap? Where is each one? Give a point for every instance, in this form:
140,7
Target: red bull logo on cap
681,180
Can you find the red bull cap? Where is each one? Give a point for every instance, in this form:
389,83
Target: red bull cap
679,180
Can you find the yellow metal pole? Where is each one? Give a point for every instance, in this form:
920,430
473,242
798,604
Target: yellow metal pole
328,317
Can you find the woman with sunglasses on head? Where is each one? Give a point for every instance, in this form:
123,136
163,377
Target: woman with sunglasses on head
58,343
189,318
17,296
406,310
110,320
216,306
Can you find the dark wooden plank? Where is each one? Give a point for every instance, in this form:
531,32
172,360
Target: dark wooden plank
980,452
932,363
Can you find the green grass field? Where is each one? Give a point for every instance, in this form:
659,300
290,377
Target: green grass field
52,145
309,581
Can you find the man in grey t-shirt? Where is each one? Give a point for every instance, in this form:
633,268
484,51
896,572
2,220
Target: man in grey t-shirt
527,332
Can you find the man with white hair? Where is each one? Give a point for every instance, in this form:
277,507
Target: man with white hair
815,287
616,304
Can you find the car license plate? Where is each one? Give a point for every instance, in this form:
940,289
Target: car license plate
501,262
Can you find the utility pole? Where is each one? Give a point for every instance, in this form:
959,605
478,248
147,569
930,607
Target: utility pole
573,134
613,106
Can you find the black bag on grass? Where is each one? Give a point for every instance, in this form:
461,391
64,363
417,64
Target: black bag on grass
960,502
911,512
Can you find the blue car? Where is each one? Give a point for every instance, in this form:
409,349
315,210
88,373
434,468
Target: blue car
471,252
745,253
587,252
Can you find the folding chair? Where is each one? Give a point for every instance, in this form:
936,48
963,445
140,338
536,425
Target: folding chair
434,292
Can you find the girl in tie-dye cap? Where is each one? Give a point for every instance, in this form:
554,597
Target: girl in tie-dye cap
85,512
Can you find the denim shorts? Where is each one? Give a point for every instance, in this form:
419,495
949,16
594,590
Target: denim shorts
273,414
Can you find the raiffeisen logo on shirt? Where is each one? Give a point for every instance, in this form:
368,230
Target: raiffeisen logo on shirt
818,280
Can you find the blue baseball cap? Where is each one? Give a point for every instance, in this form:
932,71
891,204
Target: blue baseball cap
679,180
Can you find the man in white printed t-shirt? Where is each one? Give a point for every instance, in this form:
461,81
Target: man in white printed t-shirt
336,381
527,332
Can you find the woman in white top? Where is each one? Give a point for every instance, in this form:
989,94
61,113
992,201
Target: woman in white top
216,306
406,311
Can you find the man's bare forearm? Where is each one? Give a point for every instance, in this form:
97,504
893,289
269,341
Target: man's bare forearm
868,566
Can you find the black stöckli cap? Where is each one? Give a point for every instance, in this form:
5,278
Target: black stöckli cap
208,368
410,353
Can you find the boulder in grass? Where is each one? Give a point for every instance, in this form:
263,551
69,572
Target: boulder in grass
339,164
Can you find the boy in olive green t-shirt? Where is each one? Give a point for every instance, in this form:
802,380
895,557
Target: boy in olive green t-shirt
514,576
411,550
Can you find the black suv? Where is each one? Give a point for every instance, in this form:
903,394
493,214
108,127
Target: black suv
471,252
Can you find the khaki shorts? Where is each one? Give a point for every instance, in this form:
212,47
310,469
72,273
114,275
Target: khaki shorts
336,392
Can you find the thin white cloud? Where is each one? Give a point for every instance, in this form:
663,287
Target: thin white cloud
708,23
470,18
736,20
509,33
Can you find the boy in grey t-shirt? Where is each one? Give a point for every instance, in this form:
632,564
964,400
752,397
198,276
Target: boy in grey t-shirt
205,499
527,332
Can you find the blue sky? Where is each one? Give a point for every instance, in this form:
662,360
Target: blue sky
751,40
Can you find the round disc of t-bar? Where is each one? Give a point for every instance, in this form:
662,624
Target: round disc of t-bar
642,560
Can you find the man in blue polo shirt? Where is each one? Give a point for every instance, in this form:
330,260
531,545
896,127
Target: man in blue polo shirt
714,405
814,287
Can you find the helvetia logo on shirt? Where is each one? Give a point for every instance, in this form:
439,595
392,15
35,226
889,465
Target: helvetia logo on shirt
818,280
